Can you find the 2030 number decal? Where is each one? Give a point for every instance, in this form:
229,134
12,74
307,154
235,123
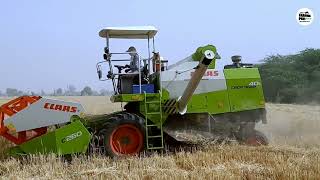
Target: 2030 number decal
71,137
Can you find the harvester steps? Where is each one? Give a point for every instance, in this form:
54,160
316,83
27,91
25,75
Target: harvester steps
152,102
153,113
154,141
159,136
151,125
152,148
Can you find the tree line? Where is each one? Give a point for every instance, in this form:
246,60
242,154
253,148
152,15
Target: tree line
292,78
69,91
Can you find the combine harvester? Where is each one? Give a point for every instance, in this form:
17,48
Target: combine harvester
187,101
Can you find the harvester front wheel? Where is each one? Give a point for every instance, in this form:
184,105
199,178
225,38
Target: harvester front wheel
123,134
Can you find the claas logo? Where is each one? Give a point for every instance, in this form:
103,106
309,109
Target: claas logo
209,73
59,107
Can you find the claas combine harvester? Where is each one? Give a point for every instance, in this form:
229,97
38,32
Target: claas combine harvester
185,102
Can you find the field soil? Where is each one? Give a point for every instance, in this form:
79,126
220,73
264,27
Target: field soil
293,153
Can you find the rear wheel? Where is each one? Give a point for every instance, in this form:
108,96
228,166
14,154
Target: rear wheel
123,134
249,136
257,139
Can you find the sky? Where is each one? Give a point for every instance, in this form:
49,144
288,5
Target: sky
54,43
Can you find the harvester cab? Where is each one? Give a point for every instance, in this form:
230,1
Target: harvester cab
129,75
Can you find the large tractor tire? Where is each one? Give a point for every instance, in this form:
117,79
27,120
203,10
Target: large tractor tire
123,134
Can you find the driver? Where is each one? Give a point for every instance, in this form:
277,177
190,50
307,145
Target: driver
134,60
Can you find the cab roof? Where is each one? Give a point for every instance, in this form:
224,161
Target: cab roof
129,32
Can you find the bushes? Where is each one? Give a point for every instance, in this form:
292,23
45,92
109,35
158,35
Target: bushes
292,78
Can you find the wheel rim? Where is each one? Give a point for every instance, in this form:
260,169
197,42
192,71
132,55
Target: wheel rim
256,141
126,139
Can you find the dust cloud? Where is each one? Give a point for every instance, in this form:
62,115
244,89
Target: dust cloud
288,124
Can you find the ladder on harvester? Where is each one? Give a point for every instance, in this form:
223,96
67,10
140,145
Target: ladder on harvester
154,132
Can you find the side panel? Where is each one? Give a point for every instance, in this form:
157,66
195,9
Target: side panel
127,98
245,89
69,139
212,102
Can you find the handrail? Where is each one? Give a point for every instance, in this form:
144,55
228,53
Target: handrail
123,53
109,60
121,60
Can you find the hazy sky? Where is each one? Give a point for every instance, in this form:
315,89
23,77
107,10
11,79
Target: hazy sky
53,43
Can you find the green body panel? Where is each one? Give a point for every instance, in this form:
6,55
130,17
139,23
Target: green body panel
69,139
212,102
244,92
127,98
244,88
136,97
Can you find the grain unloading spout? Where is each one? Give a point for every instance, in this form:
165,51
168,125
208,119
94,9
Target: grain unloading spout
205,55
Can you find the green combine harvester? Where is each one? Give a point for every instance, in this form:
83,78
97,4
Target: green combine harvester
190,101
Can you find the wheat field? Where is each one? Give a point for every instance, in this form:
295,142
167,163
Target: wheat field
294,153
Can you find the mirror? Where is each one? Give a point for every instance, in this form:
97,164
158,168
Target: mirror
99,72
106,50
101,66
105,56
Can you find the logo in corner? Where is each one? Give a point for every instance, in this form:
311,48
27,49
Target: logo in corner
304,16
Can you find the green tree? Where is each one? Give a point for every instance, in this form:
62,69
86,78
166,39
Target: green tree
292,78
12,92
59,92
87,91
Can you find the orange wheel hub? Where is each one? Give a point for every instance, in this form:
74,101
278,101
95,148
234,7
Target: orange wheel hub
126,139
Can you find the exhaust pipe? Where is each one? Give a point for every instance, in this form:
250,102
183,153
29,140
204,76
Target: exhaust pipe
205,55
